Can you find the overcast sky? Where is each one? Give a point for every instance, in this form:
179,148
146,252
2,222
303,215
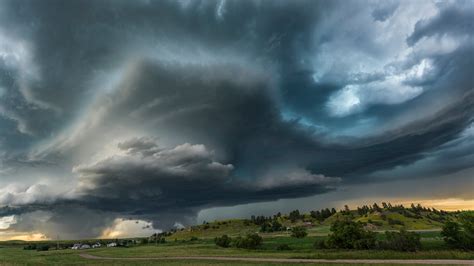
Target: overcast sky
174,112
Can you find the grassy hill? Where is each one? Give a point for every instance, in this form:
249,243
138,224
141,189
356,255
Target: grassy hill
379,219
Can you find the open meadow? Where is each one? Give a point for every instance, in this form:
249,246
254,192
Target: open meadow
12,253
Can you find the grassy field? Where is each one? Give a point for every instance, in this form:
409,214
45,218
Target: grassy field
13,254
199,241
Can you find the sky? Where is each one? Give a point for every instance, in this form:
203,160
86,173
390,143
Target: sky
122,118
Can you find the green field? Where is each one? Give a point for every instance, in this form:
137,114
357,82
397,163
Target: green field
13,254
198,240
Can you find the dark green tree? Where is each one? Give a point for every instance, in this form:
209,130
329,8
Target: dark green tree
294,216
223,241
348,234
402,241
298,232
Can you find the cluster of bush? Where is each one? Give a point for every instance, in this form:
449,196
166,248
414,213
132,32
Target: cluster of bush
250,241
323,214
460,235
298,232
156,238
347,234
36,247
272,226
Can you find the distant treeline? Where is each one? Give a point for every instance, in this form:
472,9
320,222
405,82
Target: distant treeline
414,211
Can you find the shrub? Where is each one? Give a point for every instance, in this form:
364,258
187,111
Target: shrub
223,241
376,223
319,244
273,226
250,241
366,242
298,232
193,238
42,248
401,241
30,247
394,222
283,247
347,234
457,238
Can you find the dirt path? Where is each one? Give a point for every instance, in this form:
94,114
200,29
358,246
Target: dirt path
426,262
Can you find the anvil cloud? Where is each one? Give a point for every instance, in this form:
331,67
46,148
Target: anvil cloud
156,110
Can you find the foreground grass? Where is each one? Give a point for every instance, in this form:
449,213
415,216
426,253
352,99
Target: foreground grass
268,250
13,254
17,256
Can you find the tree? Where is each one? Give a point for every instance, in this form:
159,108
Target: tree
402,241
457,238
294,216
315,214
376,207
298,232
250,241
277,226
223,241
348,234
346,209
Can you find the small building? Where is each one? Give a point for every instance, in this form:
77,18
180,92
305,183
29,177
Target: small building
307,224
96,245
76,246
113,244
85,246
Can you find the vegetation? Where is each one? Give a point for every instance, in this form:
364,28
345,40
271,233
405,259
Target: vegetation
223,241
382,231
283,247
250,241
401,241
347,234
299,232
460,235
39,247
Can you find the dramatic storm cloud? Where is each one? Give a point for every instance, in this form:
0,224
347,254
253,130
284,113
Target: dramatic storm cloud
157,110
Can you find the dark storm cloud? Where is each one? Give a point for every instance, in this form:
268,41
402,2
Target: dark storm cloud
404,145
181,178
384,10
452,20
163,108
163,186
71,48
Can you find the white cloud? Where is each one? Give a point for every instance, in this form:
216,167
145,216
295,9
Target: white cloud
355,98
6,221
15,194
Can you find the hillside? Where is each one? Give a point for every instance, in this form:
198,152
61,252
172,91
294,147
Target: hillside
318,222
